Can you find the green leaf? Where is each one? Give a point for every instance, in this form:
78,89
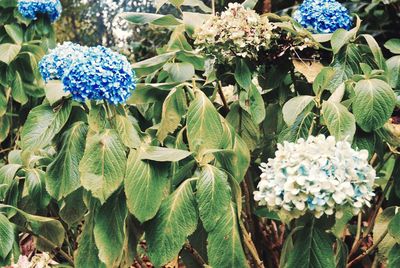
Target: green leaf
242,74
156,19
54,90
341,37
341,254
73,208
18,92
7,175
178,40
174,222
151,65
394,257
303,126
323,80
15,32
393,45
3,104
9,52
252,102
162,154
380,227
109,229
250,4
312,248
127,131
60,182
197,3
394,227
340,122
294,107
87,254
42,124
394,71
4,127
224,245
180,72
150,181
6,236
373,103
102,167
213,196
151,93
35,183
376,51
204,125
174,108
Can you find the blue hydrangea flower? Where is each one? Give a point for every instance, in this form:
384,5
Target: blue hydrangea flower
101,74
30,9
323,16
53,65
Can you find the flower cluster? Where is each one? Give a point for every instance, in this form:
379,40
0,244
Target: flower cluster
317,176
237,32
323,16
53,65
30,9
94,73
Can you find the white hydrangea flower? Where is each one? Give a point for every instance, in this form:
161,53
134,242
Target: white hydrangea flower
237,32
317,175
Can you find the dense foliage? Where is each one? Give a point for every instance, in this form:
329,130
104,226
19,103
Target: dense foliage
247,141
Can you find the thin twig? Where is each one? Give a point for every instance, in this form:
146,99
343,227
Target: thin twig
368,251
195,254
221,94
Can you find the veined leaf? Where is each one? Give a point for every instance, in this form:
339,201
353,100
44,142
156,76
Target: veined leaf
156,19
18,92
174,108
15,32
224,243
109,229
151,65
36,186
340,122
312,248
294,107
174,222
373,103
204,125
6,236
42,124
102,167
213,196
9,52
162,154
179,71
380,227
62,177
147,179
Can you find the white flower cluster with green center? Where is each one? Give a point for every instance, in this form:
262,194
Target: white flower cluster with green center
237,32
317,176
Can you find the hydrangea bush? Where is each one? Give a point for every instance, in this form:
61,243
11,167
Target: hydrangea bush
156,163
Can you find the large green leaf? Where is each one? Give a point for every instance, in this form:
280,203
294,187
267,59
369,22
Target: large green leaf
394,227
174,222
373,103
6,236
150,181
323,80
73,208
213,196
174,108
376,51
180,71
340,122
393,45
394,71
380,227
63,173
312,248
224,246
204,125
252,102
102,167
294,107
151,65
109,229
243,74
9,52
162,154
394,257
36,186
15,32
4,127
18,92
42,124
87,254
156,19
129,134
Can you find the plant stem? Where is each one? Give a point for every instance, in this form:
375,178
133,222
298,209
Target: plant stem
221,94
213,6
368,251
195,254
